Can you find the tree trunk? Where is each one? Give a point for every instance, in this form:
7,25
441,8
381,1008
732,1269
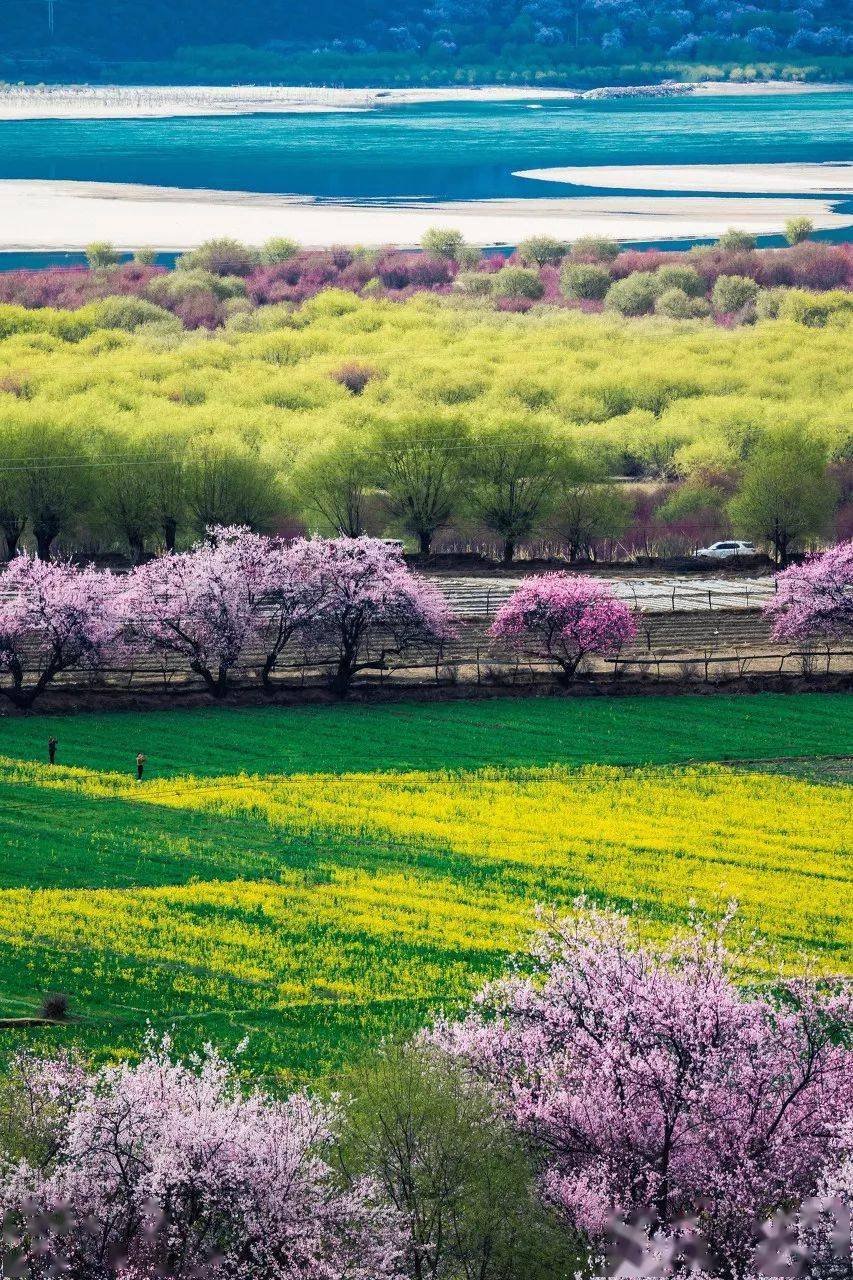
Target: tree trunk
136,542
216,685
342,678
425,538
44,538
12,530
170,532
509,550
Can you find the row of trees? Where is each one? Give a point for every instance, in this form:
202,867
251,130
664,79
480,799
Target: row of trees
512,479
615,1083
236,597
240,598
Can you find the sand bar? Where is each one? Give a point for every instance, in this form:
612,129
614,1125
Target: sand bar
738,89
109,102
757,179
50,216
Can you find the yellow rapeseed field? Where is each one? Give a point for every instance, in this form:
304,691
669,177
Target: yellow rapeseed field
495,843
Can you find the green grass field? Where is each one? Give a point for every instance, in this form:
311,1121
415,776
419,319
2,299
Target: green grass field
314,877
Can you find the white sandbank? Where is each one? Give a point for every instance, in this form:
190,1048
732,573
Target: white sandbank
113,102
734,89
50,216
110,102
758,179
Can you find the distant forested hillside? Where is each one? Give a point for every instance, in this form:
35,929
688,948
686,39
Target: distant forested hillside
424,40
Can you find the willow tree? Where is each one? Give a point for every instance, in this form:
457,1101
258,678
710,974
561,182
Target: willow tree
513,469
13,512
420,461
334,481
228,483
124,495
588,510
786,496
56,478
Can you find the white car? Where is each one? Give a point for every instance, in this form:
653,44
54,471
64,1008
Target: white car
726,550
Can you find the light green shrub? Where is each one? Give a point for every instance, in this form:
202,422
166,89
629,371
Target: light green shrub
733,293
518,282
585,281
633,296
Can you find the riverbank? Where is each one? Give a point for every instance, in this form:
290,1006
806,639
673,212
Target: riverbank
51,216
84,102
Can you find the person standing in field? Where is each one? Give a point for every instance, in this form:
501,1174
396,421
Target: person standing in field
140,765
51,750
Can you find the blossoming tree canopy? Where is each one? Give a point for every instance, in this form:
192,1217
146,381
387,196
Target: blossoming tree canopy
165,1165
564,617
648,1081
53,616
370,597
203,605
815,599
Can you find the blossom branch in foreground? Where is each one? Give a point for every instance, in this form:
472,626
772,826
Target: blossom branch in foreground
159,1166
649,1083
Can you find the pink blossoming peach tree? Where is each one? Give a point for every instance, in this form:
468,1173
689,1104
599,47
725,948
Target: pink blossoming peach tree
814,600
371,606
53,617
169,1169
564,618
240,593
648,1082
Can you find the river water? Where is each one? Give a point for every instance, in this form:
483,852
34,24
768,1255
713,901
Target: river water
440,151
433,151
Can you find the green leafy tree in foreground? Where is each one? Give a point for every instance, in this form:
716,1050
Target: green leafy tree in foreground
518,282
733,293
585,281
459,1177
786,496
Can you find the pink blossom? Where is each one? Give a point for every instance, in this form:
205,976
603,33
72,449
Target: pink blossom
53,617
648,1081
815,599
564,617
164,1165
371,606
202,606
